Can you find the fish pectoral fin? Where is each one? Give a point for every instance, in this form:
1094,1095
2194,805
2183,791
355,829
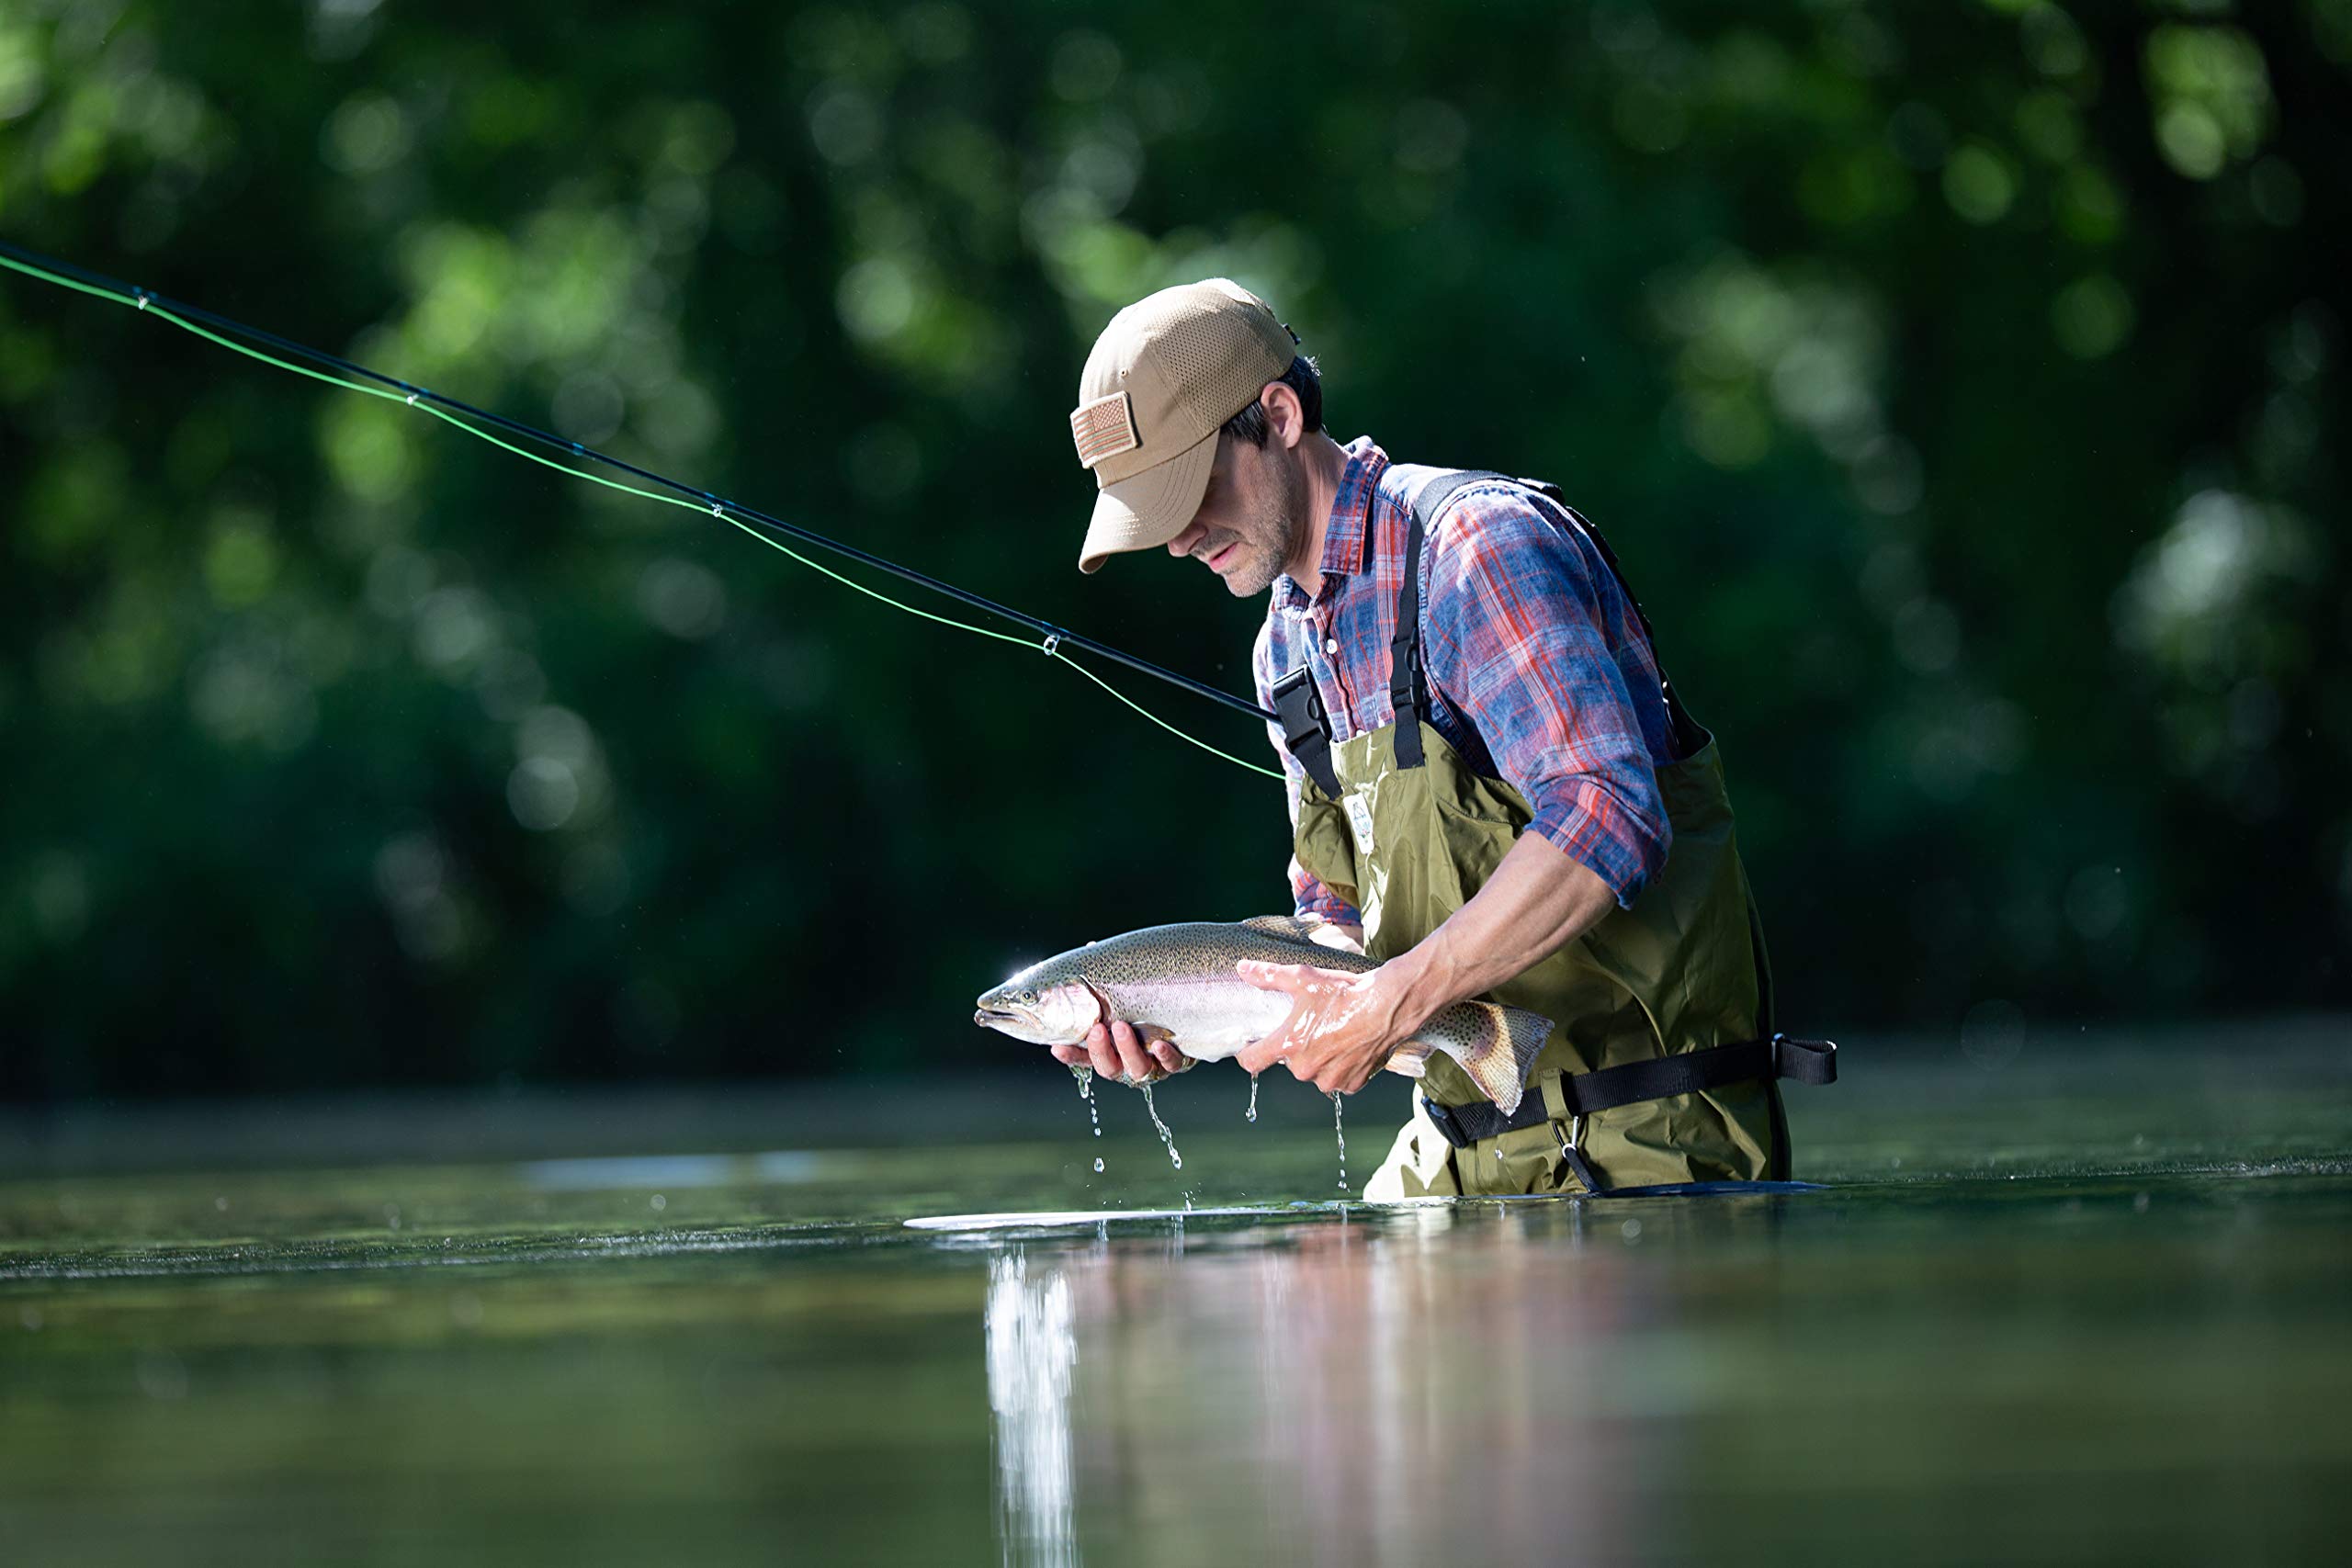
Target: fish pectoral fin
1410,1060
1152,1034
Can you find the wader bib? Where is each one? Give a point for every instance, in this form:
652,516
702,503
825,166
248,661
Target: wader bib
1660,1066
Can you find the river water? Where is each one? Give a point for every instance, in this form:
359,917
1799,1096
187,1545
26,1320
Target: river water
2086,1299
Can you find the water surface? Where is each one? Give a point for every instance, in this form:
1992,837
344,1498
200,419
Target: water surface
2086,1302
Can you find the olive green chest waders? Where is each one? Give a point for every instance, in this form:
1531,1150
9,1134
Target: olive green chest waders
1660,1066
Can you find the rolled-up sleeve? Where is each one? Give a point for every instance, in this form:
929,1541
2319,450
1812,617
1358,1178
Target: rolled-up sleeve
1308,894
1518,603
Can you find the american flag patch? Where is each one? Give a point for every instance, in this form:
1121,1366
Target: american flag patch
1104,428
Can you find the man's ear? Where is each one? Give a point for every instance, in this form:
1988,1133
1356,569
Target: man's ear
1286,420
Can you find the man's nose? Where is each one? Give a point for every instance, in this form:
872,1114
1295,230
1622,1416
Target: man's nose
1182,545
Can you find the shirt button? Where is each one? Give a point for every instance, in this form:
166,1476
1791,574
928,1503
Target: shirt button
1331,645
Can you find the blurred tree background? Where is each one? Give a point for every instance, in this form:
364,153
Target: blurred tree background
1964,385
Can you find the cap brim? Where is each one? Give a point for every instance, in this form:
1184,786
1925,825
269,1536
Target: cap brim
1150,508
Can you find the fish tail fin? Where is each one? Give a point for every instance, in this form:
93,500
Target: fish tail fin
1502,1046
1527,1032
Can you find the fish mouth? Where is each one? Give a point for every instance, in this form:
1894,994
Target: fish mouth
988,1018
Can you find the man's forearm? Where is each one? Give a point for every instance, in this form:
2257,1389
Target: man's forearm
1538,901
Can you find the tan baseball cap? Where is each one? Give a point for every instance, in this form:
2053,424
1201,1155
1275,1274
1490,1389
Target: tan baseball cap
1167,372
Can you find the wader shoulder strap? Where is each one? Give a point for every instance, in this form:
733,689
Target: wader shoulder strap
1409,696
1687,1072
1306,727
1408,688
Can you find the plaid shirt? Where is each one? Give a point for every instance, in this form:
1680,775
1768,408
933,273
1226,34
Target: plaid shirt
1538,671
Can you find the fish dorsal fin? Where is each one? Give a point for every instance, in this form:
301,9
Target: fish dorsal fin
1290,928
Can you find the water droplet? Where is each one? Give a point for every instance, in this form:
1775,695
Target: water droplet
660,1202
1251,1115
1098,1164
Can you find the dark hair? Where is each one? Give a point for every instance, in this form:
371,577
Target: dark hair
1305,377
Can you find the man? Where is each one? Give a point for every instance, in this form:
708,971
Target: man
1486,774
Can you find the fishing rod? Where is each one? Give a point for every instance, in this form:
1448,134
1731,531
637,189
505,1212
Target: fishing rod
1055,641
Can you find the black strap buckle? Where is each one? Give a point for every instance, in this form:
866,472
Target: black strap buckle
1448,1126
1306,728
1805,1061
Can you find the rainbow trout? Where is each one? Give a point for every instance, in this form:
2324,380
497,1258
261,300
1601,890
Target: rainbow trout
1178,983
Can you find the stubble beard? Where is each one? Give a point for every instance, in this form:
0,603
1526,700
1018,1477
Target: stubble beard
1280,532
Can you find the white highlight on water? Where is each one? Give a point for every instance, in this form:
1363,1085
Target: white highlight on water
1032,1352
1174,1158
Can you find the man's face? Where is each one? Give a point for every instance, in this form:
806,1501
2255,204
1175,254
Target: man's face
1252,522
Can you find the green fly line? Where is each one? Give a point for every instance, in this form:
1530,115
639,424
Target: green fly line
146,305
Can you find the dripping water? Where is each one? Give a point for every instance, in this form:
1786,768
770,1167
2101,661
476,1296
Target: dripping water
1338,1105
1165,1136
1251,1115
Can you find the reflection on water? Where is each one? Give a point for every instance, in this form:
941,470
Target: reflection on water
1385,1390
1030,1353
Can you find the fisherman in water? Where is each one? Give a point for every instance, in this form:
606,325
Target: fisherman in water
1493,790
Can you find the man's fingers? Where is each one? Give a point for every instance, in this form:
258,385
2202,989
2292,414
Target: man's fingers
1100,1053
1257,1058
1133,1059
1119,1053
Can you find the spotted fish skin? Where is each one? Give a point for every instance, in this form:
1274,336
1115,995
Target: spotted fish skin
1177,982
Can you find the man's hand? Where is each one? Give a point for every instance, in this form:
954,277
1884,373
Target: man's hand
1117,1053
1341,1027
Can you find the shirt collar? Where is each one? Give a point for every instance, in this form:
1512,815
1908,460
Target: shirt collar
1348,531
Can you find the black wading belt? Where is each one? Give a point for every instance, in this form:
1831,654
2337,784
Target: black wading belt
1687,1072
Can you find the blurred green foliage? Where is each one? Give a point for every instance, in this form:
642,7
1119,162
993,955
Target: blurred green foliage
1964,385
